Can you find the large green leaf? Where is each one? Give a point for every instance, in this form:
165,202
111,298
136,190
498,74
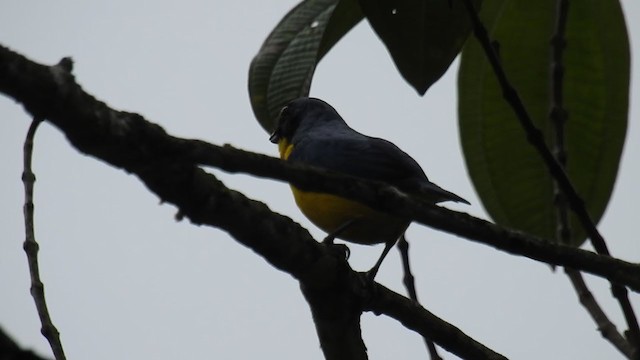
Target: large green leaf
284,66
508,175
422,36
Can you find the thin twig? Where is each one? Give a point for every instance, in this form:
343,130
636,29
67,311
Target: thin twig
410,284
534,135
31,248
558,116
415,317
535,138
606,328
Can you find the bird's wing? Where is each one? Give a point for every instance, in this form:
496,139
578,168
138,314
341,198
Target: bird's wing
370,158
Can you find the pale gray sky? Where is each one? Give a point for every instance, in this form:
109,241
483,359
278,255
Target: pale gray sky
125,281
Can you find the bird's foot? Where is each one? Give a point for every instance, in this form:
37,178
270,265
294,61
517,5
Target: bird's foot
368,290
339,250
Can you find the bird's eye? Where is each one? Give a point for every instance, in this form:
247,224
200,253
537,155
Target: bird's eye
283,111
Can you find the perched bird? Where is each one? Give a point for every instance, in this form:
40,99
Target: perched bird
310,131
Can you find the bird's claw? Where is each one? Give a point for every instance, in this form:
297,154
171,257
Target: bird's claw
328,240
339,250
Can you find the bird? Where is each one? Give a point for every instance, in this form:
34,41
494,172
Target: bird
309,131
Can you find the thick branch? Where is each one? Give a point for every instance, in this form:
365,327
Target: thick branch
128,141
388,199
166,165
10,350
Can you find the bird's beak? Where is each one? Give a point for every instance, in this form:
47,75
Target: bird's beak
275,137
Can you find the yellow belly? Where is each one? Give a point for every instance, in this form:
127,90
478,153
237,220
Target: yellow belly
329,212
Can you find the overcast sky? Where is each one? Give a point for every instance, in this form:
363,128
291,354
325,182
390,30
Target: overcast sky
126,281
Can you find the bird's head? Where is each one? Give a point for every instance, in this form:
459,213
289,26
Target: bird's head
300,116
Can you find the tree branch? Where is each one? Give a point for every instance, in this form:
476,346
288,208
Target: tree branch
128,141
165,164
605,326
556,170
534,135
9,350
31,247
410,284
558,116
427,324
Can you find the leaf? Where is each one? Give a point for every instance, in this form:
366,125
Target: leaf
346,16
508,175
284,66
422,36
